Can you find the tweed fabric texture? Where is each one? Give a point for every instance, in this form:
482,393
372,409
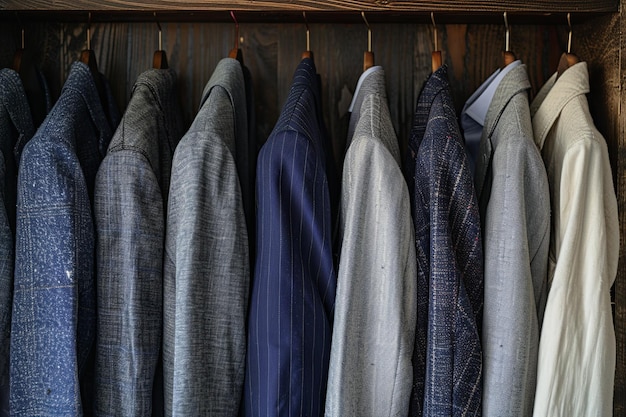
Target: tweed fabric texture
207,271
374,331
130,198
576,365
16,128
514,201
53,323
447,359
293,289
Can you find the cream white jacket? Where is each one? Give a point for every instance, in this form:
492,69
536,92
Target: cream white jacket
576,364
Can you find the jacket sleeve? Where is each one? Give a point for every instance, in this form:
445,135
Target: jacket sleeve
577,346
207,273
516,237
374,332
130,235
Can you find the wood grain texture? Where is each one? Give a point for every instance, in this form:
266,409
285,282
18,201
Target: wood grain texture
317,5
615,64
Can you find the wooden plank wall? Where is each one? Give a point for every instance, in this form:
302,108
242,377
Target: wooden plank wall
272,51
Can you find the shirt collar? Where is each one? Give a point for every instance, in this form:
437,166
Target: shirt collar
365,74
478,104
554,96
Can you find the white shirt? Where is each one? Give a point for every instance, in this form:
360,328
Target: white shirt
475,111
577,346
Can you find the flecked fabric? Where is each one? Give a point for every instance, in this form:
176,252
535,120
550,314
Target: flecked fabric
514,201
293,289
207,270
374,332
16,129
53,323
130,199
447,359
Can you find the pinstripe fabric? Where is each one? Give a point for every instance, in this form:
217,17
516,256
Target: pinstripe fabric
293,290
447,360
373,335
53,324
130,200
514,200
207,270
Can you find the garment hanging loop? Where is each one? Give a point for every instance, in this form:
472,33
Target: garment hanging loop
308,32
432,18
369,33
569,35
232,14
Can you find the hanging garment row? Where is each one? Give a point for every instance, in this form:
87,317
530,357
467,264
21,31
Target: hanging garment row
158,272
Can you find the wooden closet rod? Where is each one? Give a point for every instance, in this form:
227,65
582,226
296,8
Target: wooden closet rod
327,11
246,16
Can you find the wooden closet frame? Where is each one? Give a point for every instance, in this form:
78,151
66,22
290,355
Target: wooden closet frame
602,22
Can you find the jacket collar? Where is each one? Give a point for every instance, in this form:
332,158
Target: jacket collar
13,100
514,83
81,82
436,83
371,105
228,75
372,81
554,96
301,111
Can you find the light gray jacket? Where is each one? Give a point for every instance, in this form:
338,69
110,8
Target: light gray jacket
370,372
514,201
207,270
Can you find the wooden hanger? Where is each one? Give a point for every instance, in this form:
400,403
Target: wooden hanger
236,52
307,53
436,60
507,55
568,59
159,60
368,56
88,57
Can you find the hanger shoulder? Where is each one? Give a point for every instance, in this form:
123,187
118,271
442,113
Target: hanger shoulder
159,60
507,58
566,61
436,60
368,60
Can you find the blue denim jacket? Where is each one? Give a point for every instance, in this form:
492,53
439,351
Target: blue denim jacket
53,323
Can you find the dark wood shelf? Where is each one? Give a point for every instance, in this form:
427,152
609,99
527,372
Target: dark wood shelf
469,11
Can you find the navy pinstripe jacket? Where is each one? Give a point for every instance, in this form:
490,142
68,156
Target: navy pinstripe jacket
293,289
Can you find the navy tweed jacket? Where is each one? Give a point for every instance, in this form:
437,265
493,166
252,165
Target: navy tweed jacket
447,359
293,290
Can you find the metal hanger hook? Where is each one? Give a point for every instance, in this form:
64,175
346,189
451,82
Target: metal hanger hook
89,31
569,35
232,14
19,21
160,32
507,33
308,32
432,18
369,33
